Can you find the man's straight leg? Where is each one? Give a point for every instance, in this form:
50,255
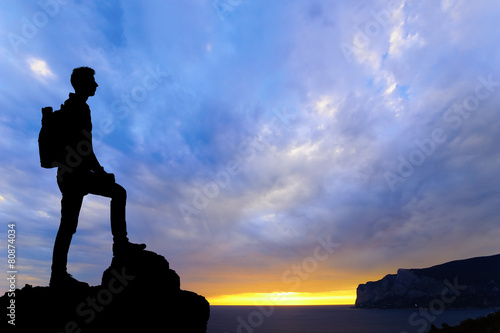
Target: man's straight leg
71,204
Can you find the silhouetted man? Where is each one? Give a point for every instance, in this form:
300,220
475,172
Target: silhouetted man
82,174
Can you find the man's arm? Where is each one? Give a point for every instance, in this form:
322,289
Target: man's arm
93,163
98,169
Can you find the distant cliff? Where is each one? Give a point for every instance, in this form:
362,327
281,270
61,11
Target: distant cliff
469,283
139,294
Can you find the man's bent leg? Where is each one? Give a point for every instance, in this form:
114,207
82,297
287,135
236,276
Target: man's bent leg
118,195
71,204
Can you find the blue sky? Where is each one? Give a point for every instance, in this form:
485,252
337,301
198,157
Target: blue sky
249,132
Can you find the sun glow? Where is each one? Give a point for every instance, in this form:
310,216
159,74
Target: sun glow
343,297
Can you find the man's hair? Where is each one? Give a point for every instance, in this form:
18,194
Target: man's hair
81,75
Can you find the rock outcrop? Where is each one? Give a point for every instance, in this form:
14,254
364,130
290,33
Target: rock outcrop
469,283
137,294
488,324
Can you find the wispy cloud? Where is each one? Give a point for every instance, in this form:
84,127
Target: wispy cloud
40,69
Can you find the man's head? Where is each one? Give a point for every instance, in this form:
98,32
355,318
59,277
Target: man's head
82,79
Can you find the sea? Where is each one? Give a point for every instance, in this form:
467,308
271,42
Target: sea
332,319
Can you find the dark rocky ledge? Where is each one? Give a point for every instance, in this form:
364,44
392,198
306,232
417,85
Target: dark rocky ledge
137,294
487,324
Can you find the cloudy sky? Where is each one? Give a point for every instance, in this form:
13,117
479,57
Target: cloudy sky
271,150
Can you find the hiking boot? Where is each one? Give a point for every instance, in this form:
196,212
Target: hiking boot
65,280
127,248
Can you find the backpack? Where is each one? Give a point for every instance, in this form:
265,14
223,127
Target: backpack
51,141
